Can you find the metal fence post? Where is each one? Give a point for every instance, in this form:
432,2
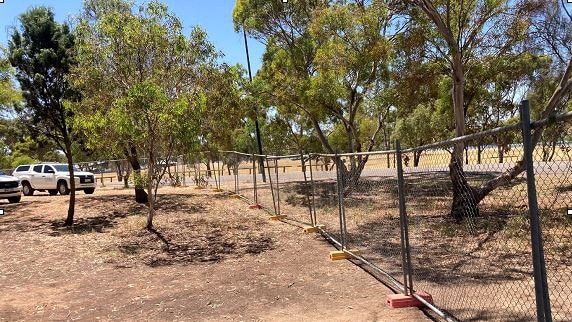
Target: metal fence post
341,208
277,186
540,282
271,186
313,204
236,188
404,225
218,169
254,179
303,164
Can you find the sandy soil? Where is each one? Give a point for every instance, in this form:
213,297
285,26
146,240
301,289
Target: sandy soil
210,259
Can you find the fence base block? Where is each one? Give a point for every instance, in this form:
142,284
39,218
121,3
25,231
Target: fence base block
396,301
312,229
218,190
199,188
255,206
340,254
277,217
235,196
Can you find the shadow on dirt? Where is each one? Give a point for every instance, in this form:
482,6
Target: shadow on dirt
194,242
444,252
94,214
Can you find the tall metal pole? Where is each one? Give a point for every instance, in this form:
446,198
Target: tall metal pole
257,127
543,310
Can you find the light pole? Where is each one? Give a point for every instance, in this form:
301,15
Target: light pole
257,127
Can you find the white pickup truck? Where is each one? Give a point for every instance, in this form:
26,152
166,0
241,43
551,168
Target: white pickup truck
52,177
10,188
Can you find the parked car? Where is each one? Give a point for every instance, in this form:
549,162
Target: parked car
52,177
10,188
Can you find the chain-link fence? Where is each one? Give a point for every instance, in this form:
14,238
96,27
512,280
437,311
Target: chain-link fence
463,227
483,223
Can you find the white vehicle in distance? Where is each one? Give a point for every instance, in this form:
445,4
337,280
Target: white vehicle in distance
53,178
10,188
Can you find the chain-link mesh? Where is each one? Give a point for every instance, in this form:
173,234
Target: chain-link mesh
372,210
291,190
553,174
469,229
326,199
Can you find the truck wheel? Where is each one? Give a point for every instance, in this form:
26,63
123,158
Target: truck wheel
89,191
27,189
14,199
53,192
63,188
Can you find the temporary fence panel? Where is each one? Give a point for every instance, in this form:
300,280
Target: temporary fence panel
553,174
470,247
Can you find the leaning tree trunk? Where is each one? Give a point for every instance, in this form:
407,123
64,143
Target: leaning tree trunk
131,154
465,202
71,207
350,177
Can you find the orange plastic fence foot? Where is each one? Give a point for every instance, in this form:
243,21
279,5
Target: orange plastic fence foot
277,217
396,301
255,206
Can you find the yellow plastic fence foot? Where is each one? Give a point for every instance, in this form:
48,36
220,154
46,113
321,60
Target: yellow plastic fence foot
199,188
341,254
218,190
277,217
312,229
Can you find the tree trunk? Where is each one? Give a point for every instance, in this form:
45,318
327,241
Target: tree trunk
466,155
71,207
131,154
350,178
479,153
416,158
500,150
209,174
465,202
151,203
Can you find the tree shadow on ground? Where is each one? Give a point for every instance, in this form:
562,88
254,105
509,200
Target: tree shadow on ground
95,224
103,212
195,242
443,252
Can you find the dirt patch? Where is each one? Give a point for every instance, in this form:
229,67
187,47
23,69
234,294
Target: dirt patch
209,259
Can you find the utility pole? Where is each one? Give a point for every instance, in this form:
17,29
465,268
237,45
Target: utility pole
257,127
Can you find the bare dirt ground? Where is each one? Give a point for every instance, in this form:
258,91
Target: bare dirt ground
211,259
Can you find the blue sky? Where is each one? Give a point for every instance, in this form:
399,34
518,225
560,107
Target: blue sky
215,16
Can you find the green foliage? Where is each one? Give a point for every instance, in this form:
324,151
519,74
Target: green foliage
41,51
424,126
141,78
323,61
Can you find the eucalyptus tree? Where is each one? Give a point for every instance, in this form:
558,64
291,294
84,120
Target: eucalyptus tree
42,52
323,60
461,34
140,79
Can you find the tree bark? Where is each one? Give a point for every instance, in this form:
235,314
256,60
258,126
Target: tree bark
465,202
71,207
416,158
350,177
131,154
151,203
